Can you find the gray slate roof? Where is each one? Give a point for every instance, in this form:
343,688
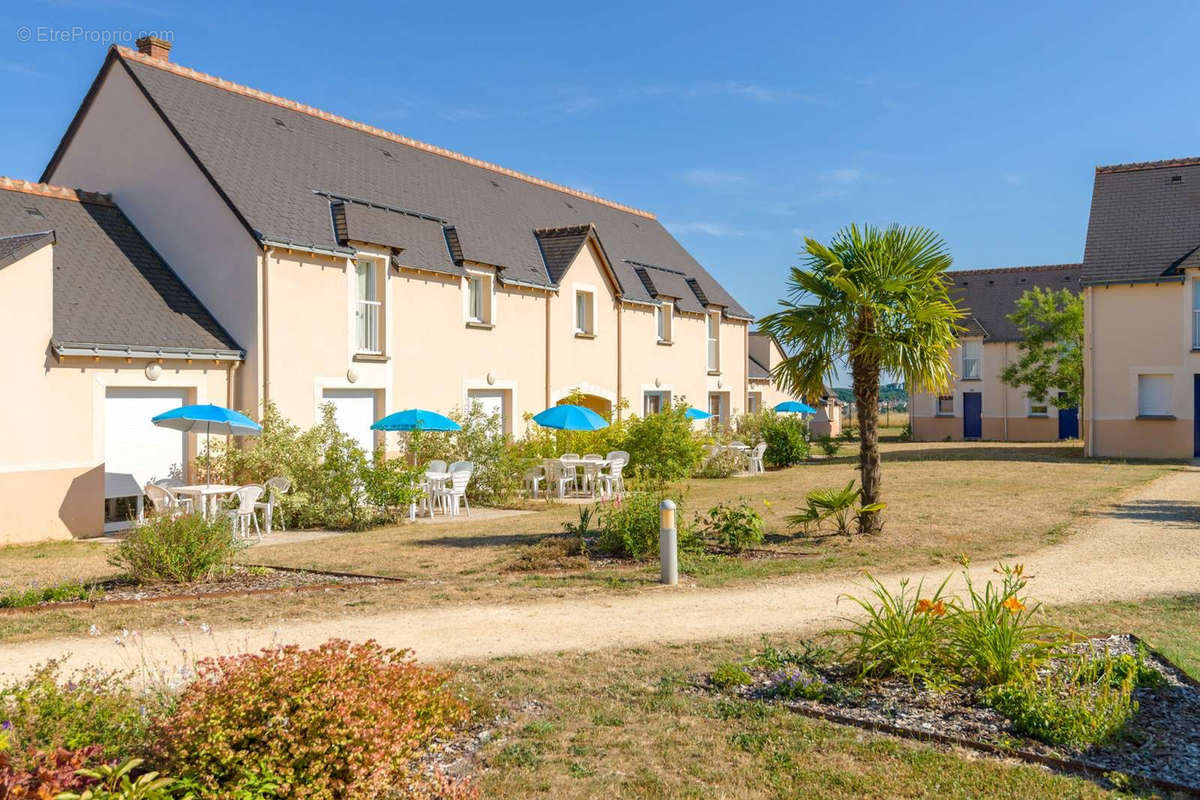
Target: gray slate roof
420,241
1145,221
270,161
672,285
110,287
14,248
559,247
988,296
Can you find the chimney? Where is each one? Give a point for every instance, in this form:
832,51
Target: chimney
154,47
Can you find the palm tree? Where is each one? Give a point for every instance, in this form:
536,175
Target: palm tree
877,299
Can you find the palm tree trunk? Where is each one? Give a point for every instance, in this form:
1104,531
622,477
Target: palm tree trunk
866,396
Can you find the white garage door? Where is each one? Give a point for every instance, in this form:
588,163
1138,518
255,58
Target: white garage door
492,404
354,411
133,445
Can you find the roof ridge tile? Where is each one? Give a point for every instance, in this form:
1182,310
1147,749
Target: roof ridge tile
56,192
1134,166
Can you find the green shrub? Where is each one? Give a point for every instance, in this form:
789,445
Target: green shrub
994,637
629,527
339,721
729,675
176,549
906,433
829,445
749,427
59,593
663,445
832,504
850,433
93,709
786,436
809,655
391,483
1065,709
116,782
1119,668
903,633
723,464
733,527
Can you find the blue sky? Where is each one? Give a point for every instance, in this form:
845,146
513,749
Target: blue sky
743,127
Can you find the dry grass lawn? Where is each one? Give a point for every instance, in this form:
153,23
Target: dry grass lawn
983,500
627,723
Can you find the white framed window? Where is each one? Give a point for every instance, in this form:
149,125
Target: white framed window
753,402
714,341
585,312
1196,313
663,316
1154,395
945,405
655,402
972,360
1038,407
478,298
716,407
368,307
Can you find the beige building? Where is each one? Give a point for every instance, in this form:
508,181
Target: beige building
1141,277
99,336
765,355
312,260
979,405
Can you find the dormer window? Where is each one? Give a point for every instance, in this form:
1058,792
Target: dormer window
663,316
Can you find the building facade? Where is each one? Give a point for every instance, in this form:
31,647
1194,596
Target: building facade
1141,292
979,405
286,255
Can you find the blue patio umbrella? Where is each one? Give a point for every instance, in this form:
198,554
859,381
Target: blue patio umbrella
416,419
210,419
695,413
793,407
570,418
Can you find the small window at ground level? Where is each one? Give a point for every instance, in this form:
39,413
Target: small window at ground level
945,404
1154,395
1038,408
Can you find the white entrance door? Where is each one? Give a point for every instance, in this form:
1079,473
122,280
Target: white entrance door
354,410
133,445
492,403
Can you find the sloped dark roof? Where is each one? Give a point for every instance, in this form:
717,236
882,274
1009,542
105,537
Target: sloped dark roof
267,155
672,284
110,287
1144,222
14,248
988,296
421,241
559,247
758,371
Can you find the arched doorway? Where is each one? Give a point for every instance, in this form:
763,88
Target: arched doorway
600,405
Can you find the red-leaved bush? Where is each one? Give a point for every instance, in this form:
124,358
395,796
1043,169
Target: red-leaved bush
341,721
44,775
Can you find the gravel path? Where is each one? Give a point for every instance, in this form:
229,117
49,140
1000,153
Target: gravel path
1148,543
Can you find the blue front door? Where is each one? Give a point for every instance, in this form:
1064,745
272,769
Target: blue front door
1068,423
972,415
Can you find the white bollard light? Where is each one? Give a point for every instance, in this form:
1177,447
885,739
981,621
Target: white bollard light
668,544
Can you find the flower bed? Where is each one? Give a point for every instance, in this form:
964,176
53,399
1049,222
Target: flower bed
241,579
986,672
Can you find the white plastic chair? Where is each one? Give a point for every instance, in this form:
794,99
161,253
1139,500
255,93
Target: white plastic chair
613,481
274,487
243,516
437,465
533,479
571,470
557,479
618,455
459,466
755,457
164,501
456,491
